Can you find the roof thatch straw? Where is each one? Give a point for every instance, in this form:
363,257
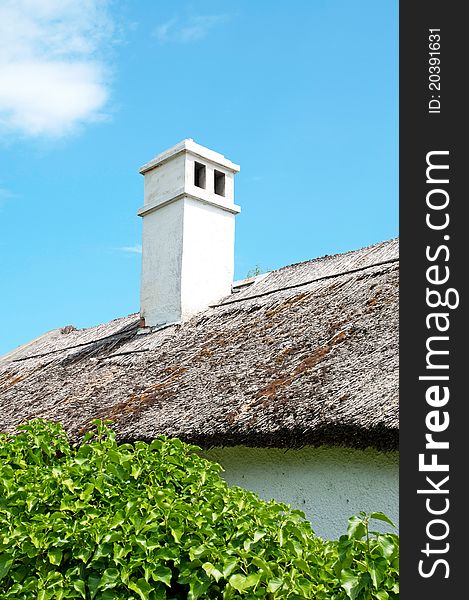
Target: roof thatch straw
307,355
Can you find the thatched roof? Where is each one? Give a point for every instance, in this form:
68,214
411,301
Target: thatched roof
305,355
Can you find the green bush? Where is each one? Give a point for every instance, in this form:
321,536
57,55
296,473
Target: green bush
105,521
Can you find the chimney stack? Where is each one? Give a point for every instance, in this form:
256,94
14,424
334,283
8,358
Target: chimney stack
188,232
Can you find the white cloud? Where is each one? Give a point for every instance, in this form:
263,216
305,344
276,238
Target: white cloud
188,30
52,73
136,249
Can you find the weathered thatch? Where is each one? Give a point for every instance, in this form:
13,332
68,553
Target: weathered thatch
305,355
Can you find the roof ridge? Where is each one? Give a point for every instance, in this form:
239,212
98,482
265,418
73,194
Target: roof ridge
337,254
296,285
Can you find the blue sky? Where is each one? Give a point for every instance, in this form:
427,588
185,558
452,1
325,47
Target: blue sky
302,94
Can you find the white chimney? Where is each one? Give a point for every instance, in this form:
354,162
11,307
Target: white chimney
188,232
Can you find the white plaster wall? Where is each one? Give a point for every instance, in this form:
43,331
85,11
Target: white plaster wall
165,180
160,292
208,256
187,259
328,484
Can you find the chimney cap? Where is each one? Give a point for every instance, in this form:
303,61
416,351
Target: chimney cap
188,145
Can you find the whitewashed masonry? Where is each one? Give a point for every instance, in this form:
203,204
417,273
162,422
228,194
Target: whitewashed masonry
188,232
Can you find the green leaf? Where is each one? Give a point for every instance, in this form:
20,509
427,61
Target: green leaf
102,550
212,571
115,456
55,556
6,560
198,552
301,564
258,535
281,536
241,582
141,587
252,580
93,582
177,534
351,583
68,483
108,595
382,595
238,582
261,564
229,566
197,588
163,574
79,586
83,554
87,492
381,517
387,545
159,592
377,569
356,528
109,579
274,584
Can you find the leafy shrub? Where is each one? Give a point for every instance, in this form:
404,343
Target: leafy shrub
368,568
153,521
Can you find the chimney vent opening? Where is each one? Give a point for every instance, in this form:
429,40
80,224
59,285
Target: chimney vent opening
219,183
199,175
